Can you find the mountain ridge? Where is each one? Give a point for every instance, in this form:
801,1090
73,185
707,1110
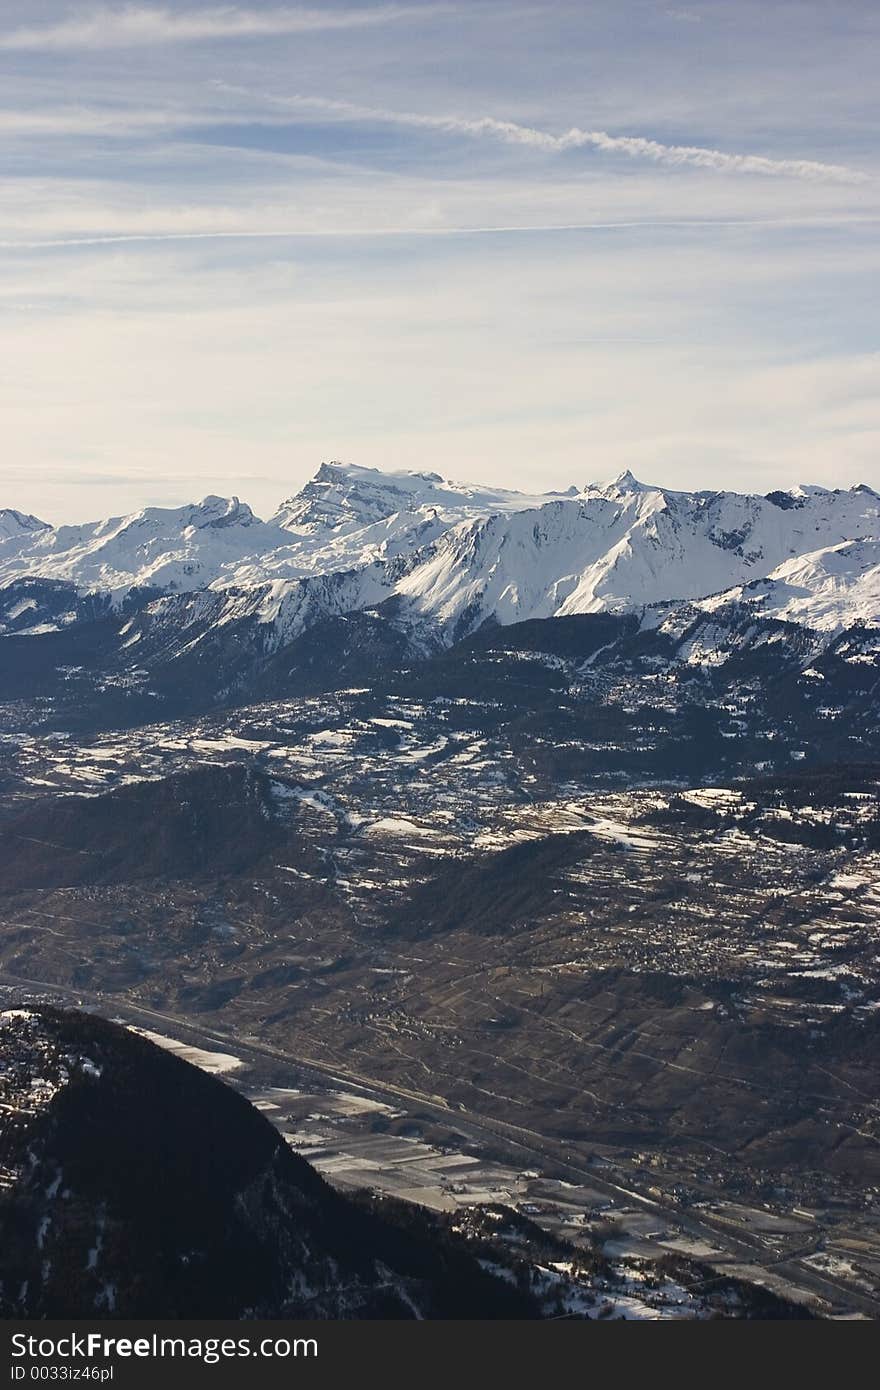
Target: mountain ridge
448,557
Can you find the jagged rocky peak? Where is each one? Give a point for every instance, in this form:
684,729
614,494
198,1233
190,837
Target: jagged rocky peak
346,494
803,493
627,482
165,548
342,493
625,545
624,485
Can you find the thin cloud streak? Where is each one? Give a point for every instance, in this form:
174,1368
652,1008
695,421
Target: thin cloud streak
343,233
144,25
119,121
634,146
109,121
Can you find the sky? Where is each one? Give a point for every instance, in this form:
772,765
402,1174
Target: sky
528,244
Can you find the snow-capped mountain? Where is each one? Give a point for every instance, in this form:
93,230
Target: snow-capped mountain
625,545
19,525
156,548
345,517
345,496
453,556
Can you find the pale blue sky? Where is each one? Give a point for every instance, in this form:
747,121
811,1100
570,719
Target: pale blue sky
531,244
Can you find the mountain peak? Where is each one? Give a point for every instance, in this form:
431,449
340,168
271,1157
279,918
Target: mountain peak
222,511
627,479
348,496
444,544
15,523
808,490
624,483
336,471
343,494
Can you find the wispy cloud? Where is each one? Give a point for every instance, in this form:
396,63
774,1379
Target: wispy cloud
633,146
119,120
353,233
105,28
89,120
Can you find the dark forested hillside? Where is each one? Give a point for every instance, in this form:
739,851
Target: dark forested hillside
136,1185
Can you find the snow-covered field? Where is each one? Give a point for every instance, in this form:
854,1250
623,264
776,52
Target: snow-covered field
218,1063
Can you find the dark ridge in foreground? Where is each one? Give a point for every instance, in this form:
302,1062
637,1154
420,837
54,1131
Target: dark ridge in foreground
135,1185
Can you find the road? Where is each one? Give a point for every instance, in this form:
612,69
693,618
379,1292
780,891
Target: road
745,1249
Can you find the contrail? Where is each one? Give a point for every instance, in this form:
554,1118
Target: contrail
341,233
634,146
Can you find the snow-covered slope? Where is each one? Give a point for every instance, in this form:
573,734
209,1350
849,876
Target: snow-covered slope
345,517
455,555
19,525
343,496
281,609
827,589
625,545
157,548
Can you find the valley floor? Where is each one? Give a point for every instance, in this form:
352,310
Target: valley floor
662,990
415,1148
